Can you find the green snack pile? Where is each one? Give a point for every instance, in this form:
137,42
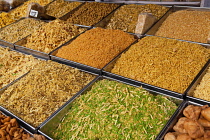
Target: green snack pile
113,110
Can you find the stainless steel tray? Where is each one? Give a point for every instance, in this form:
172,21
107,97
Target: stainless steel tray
10,44
195,83
173,120
73,63
156,26
65,17
106,71
27,128
104,22
35,129
54,121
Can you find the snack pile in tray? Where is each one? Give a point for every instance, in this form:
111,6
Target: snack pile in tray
112,110
52,35
203,88
191,25
13,65
96,47
166,63
194,125
43,90
125,18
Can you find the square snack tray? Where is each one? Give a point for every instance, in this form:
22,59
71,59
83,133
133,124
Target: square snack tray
35,129
106,71
174,119
48,126
153,29
195,83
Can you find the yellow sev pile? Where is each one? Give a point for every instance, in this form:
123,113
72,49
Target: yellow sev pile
166,63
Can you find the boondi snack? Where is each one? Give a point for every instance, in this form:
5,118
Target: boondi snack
96,47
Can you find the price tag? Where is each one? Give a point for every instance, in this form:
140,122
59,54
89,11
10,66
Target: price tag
33,13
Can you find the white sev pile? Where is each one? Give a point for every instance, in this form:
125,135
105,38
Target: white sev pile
203,89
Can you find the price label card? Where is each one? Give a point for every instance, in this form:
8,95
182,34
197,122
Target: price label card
33,13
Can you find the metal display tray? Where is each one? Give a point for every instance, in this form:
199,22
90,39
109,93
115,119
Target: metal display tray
157,25
67,1
195,83
19,45
106,71
9,44
52,123
104,22
174,119
5,43
26,127
66,16
35,129
73,63
5,87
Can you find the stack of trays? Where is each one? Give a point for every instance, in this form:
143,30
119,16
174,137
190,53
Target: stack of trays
169,69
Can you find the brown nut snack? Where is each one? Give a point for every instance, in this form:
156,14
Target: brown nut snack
183,137
192,112
179,127
10,129
206,113
194,125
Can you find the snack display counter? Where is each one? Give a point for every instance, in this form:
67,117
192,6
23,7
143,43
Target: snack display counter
90,74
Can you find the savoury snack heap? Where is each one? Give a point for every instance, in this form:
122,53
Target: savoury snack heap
96,47
6,19
166,63
59,8
203,89
11,130
19,12
90,13
13,65
52,35
125,18
112,110
22,10
186,25
20,29
43,90
194,125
